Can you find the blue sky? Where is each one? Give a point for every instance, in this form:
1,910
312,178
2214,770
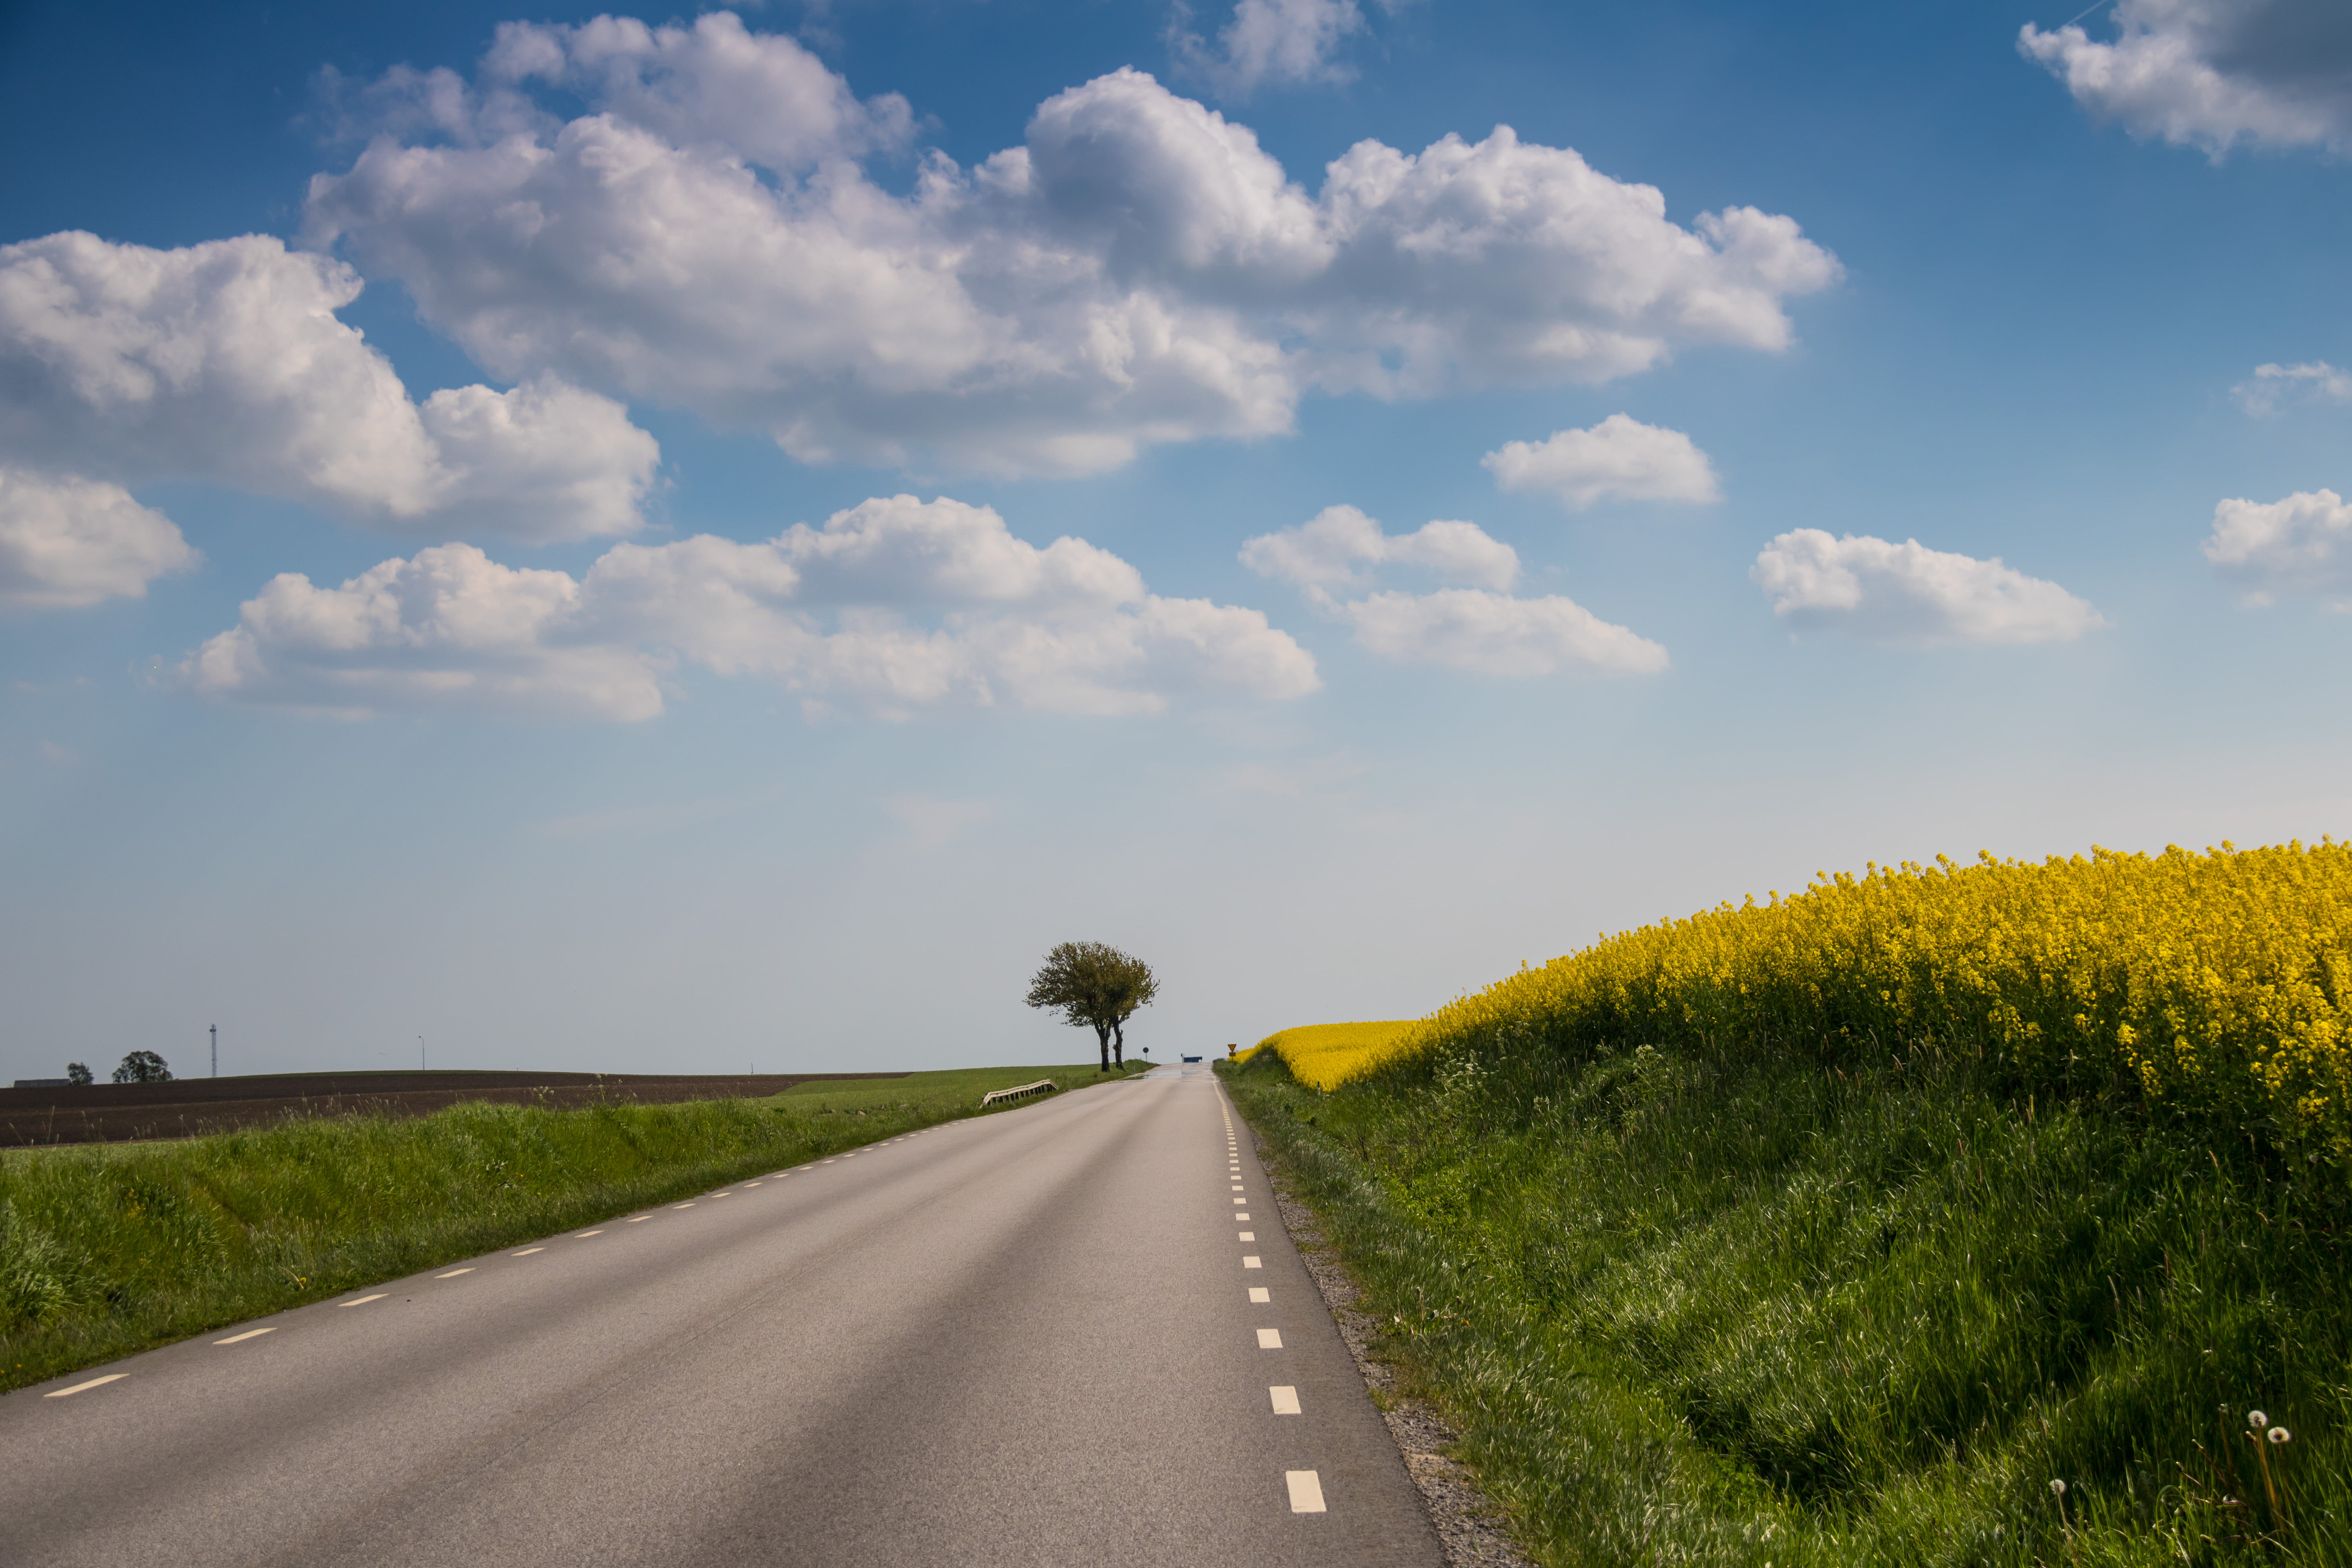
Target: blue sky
453,580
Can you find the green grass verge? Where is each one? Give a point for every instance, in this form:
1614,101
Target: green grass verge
111,1249
1686,1310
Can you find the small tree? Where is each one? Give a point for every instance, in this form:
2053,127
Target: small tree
1093,985
78,1072
1139,986
143,1067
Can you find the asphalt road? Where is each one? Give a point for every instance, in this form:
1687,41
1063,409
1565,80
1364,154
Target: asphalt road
1070,1333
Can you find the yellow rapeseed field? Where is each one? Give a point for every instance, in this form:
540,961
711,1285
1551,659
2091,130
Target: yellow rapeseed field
1326,1055
2219,981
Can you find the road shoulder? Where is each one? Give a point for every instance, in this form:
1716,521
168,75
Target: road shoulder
1467,1520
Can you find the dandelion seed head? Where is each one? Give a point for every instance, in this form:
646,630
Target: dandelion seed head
2257,1420
2281,1435
2057,1489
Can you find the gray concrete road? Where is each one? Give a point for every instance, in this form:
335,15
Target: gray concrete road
1073,1333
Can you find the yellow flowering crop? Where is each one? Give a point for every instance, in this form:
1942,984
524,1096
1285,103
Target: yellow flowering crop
1326,1055
2219,982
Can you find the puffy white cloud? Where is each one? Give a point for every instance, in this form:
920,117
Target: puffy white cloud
2273,384
1138,271
2212,73
1336,548
1907,594
450,628
68,542
901,550
892,606
714,82
2299,545
1268,42
1482,628
1621,459
1494,634
225,361
541,462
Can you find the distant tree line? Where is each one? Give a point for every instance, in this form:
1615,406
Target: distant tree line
139,1066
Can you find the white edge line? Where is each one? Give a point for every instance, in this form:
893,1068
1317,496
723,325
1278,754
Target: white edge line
363,1301
455,1272
1306,1491
248,1334
77,1388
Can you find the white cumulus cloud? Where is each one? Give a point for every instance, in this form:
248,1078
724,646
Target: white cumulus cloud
1338,546
1621,459
2212,73
69,543
1483,628
1494,634
1268,42
2273,384
2300,545
225,361
1138,271
1909,595
894,607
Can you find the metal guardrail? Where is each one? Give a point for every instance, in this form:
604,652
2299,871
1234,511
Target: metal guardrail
1043,1085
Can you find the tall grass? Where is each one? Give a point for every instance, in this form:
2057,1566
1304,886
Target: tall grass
107,1249
1730,1306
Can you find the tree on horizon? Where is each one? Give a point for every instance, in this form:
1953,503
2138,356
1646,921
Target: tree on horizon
1095,985
143,1067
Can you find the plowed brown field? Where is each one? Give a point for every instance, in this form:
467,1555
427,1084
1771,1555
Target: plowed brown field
184,1108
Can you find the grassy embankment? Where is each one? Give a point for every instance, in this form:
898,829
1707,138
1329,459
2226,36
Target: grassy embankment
107,1249
1769,1238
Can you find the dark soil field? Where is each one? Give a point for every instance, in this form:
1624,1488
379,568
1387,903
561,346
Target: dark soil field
184,1108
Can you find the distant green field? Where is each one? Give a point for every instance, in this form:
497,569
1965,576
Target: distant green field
109,1248
869,1093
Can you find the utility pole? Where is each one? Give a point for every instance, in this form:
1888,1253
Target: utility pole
420,1053
216,1050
